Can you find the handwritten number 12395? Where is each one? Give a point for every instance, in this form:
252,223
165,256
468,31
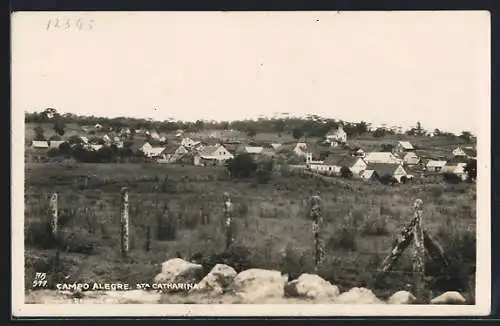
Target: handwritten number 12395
68,23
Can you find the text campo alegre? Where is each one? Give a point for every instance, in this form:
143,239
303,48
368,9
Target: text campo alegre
96,286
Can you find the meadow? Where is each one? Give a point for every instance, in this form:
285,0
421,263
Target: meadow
178,211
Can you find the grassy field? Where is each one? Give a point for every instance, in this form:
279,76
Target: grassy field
272,225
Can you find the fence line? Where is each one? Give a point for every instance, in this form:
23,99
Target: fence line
414,230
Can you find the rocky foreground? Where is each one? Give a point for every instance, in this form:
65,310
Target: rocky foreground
223,285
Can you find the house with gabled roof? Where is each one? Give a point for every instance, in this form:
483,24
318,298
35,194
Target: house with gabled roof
40,144
54,144
457,169
213,155
434,165
336,137
402,147
464,152
301,149
382,170
382,157
411,159
172,154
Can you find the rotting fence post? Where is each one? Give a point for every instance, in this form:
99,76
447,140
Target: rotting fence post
317,222
228,220
419,253
124,222
53,203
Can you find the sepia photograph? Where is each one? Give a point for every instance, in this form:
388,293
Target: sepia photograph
244,163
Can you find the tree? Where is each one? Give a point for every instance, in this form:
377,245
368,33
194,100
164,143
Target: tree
251,132
297,133
65,148
39,133
59,125
387,147
279,126
241,166
75,140
471,169
466,136
199,125
379,132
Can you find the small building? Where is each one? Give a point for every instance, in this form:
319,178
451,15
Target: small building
276,146
464,152
457,169
40,144
403,147
382,170
336,137
173,153
434,165
213,155
368,175
254,150
382,157
411,159
54,144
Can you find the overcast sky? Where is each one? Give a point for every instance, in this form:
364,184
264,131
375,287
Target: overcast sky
386,67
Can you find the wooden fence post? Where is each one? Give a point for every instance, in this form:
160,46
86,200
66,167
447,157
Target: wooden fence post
148,238
418,253
124,222
54,214
228,220
317,223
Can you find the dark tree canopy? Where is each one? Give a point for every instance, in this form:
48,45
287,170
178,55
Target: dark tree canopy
242,166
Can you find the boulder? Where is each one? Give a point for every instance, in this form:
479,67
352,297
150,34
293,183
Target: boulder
402,297
217,281
255,285
358,296
450,297
179,271
311,286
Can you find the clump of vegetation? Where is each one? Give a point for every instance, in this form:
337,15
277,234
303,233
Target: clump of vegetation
375,226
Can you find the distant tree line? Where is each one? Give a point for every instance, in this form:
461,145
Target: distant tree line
310,126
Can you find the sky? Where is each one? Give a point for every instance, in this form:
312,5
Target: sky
386,67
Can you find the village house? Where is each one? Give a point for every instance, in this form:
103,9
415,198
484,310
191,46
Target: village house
368,175
403,147
464,152
213,155
253,150
382,170
40,144
434,165
301,149
336,137
98,126
84,139
354,164
276,146
54,144
146,148
156,153
189,143
457,169
382,157
172,154
358,152
411,159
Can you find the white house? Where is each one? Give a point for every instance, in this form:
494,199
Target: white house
388,169
333,165
188,142
434,165
301,149
253,149
467,152
403,147
40,144
382,157
55,143
411,159
215,154
336,137
172,154
457,169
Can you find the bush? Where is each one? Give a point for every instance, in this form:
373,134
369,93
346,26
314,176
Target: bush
451,178
375,226
344,238
387,179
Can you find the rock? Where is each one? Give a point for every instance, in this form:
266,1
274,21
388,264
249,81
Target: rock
450,297
402,297
359,296
217,281
178,270
254,285
311,286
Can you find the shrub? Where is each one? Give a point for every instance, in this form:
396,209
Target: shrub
344,237
451,178
375,226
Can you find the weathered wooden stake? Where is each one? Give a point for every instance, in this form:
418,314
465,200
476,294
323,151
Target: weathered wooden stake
419,252
228,220
317,223
54,213
148,238
124,222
